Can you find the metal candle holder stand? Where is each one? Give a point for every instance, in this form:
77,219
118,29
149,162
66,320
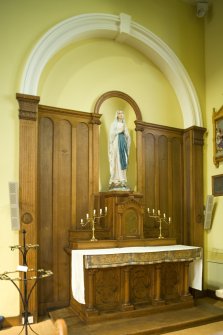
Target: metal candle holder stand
92,220
161,219
38,274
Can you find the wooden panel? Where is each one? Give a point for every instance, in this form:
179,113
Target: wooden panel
187,189
150,169
45,200
193,186
130,226
176,200
173,180
61,208
108,296
162,175
171,280
141,284
82,172
165,186
28,129
66,144
54,210
163,180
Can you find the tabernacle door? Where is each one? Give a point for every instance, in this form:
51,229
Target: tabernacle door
129,220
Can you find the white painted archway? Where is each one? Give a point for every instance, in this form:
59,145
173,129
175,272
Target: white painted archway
124,30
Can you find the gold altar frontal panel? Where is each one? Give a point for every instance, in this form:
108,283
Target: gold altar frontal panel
131,258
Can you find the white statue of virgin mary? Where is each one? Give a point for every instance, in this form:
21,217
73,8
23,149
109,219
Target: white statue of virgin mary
119,146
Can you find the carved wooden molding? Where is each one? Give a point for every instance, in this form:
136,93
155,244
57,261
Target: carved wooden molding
130,203
197,135
28,106
121,95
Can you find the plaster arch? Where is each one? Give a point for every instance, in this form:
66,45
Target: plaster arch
124,30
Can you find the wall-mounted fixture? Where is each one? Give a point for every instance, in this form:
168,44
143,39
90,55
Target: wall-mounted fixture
202,8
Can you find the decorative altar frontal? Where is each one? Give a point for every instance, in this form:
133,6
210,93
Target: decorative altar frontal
128,257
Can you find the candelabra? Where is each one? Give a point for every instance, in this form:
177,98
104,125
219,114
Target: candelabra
92,220
25,275
159,218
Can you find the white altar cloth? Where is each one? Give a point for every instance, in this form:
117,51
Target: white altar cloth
77,264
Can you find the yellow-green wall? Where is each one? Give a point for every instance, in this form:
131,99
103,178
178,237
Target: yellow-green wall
76,76
214,99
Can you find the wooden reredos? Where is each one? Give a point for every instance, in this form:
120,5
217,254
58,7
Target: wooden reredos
59,172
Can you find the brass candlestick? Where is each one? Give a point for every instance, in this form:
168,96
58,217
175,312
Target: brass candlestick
91,220
159,218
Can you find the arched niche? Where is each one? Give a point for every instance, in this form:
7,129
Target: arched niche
122,29
121,95
107,105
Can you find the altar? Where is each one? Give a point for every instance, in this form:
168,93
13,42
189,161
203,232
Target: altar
117,282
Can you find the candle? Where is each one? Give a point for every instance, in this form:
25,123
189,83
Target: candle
82,221
87,215
164,215
148,210
169,219
158,212
100,211
153,210
94,211
106,209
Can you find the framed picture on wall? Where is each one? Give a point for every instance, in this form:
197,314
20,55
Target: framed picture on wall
217,119
217,185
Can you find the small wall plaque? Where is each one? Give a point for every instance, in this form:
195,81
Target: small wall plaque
217,185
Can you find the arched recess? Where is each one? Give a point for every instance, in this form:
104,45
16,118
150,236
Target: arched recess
136,155
124,30
121,95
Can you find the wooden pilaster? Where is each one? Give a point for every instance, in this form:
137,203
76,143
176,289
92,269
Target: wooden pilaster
28,144
193,186
127,306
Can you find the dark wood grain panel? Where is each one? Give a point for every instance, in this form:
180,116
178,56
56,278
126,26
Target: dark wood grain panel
45,201
61,207
82,172
162,173
150,169
176,200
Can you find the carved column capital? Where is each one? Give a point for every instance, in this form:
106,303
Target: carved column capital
95,119
28,106
139,126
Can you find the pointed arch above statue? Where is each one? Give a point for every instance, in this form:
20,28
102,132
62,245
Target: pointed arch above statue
124,30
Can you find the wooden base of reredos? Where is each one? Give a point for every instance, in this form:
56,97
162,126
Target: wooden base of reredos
135,290
130,275
97,315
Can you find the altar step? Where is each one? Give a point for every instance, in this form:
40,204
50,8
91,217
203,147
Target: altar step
206,310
